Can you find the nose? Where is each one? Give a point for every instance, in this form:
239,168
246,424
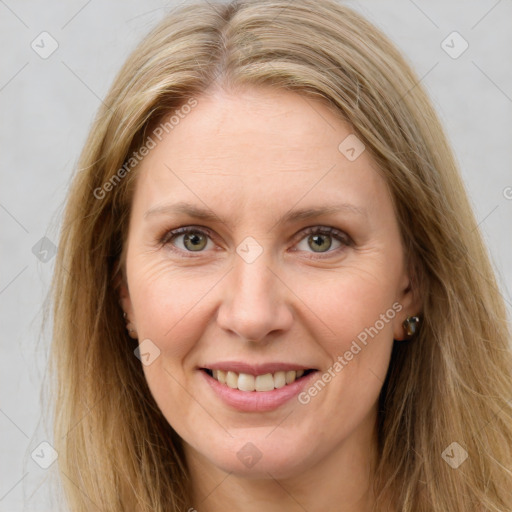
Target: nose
255,304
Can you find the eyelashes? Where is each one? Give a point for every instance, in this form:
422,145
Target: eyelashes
168,238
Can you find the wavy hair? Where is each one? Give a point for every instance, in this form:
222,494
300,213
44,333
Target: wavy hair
453,383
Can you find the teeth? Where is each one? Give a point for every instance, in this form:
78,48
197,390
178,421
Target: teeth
279,379
245,382
221,376
290,376
264,382
267,382
232,380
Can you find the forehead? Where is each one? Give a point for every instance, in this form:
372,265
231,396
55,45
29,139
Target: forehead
277,127
255,147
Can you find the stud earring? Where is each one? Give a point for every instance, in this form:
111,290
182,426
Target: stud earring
411,326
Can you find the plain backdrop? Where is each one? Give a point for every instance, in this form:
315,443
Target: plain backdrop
47,106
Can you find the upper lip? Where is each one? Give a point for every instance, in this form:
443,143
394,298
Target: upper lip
255,369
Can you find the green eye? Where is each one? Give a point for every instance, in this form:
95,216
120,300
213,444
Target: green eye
319,242
195,241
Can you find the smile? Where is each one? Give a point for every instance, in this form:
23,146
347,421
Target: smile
261,383
255,387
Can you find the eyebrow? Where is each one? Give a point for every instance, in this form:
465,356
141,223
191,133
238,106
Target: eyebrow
201,213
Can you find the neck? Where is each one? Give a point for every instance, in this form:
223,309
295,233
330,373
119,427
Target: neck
342,480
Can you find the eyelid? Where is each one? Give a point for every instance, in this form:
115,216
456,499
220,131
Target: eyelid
325,230
169,234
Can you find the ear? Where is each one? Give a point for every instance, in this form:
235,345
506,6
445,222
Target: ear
412,304
123,293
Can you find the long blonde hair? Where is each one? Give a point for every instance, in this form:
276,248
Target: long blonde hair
450,385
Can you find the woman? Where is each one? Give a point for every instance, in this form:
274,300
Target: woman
270,289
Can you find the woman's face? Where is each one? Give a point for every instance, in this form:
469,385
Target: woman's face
265,284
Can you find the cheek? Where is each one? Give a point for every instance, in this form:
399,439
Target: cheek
357,308
353,303
169,303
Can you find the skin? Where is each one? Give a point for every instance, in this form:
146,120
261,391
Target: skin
252,156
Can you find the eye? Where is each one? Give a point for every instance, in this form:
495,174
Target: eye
194,239
320,240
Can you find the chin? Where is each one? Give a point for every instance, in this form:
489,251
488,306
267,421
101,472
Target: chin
270,466
258,457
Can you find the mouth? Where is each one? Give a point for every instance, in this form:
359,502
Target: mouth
259,383
255,387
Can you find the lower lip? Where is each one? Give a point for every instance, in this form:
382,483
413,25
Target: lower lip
257,401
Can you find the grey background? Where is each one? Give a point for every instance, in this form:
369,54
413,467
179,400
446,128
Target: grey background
47,106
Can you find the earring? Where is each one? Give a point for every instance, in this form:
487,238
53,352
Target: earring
131,331
411,325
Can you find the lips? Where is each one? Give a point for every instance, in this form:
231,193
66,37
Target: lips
260,378
256,388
